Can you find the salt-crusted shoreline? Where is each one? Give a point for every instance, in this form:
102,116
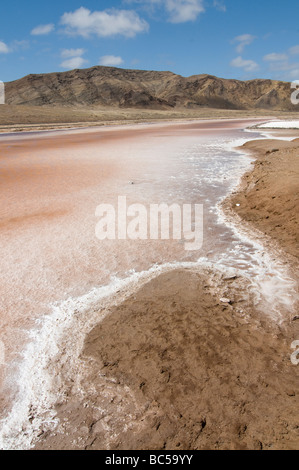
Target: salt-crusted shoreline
170,365
163,326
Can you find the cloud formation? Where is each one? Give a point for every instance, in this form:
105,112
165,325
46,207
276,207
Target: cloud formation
243,41
112,22
3,48
294,50
72,52
111,60
274,57
181,11
74,59
219,5
247,65
73,63
283,65
43,30
178,11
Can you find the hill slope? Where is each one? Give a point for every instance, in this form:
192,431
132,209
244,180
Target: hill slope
109,86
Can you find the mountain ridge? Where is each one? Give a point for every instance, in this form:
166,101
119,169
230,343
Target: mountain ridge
127,88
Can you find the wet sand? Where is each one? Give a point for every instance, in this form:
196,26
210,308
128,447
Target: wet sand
192,372
142,392
269,195
189,373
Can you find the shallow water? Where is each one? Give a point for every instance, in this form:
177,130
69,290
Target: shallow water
50,186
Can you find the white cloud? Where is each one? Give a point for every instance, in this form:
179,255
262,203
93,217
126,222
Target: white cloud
20,45
294,50
247,65
294,74
181,11
281,65
219,5
85,23
111,60
275,57
178,11
42,30
73,63
243,41
74,59
65,53
3,48
284,66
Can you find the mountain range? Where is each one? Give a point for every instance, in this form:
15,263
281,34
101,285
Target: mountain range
115,87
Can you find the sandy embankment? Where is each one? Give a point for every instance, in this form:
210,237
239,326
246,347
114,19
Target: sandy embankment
173,367
269,196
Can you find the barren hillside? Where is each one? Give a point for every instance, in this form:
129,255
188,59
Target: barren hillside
109,86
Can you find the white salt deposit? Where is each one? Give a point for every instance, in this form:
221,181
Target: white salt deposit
280,125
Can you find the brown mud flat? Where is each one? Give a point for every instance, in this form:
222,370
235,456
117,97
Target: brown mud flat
175,367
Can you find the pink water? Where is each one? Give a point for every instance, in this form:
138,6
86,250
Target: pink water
50,186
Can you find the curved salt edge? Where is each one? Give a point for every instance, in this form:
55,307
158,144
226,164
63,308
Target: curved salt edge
281,295
35,383
272,280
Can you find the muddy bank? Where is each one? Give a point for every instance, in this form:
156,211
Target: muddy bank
189,361
269,195
175,367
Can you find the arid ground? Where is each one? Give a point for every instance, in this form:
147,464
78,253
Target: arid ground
177,366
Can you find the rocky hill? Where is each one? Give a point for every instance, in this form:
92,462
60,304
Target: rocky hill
109,86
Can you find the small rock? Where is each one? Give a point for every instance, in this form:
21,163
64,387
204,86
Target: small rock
296,318
225,301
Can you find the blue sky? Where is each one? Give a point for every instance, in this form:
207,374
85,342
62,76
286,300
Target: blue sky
228,38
